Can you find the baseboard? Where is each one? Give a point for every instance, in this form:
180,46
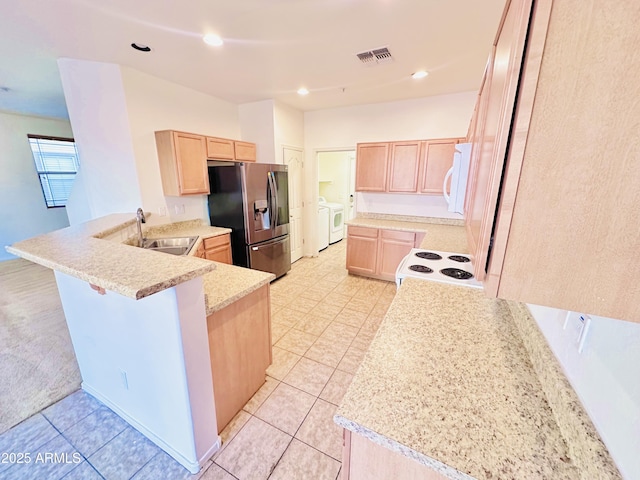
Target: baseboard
193,467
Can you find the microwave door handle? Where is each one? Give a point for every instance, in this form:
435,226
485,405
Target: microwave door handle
444,184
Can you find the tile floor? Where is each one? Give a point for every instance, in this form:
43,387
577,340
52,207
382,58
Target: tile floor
322,323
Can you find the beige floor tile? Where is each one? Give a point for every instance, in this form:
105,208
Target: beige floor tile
372,323
302,462
297,341
277,331
283,362
214,472
281,299
326,310
336,387
313,294
340,332
313,324
337,299
363,339
379,310
351,360
232,429
326,284
309,375
349,290
320,431
254,451
327,351
351,317
286,408
361,305
304,305
261,395
287,316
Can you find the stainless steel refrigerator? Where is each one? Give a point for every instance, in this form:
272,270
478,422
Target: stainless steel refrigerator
253,200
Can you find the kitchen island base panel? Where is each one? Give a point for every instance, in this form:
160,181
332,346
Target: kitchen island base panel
364,460
240,352
147,360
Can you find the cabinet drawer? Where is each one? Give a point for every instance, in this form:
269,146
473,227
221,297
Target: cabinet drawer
362,231
399,235
217,241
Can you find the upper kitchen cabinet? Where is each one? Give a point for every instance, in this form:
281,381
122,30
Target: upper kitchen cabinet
183,163
234,150
404,166
561,223
372,162
437,157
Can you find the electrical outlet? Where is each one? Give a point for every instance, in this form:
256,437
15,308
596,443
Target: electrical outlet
179,209
162,211
577,325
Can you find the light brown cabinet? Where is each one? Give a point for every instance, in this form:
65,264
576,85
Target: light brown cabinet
372,165
418,166
562,224
376,253
217,249
240,352
234,150
183,163
364,460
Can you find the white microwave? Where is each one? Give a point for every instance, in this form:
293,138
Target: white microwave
459,172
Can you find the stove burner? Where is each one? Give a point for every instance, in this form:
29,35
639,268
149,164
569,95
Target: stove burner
459,258
456,273
428,255
420,269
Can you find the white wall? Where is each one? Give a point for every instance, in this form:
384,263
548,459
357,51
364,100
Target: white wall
288,129
97,110
606,377
24,213
342,128
257,125
156,104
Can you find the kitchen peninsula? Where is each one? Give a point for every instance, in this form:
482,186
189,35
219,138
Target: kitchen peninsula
152,331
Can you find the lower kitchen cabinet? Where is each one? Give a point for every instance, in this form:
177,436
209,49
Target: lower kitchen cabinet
216,248
376,253
240,352
363,459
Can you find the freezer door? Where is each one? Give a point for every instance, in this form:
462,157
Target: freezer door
273,256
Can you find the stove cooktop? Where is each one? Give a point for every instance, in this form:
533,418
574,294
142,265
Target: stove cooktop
432,265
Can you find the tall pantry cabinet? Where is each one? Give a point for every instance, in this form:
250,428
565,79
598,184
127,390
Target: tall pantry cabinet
555,180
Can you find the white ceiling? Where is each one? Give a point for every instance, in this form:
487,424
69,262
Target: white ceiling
272,47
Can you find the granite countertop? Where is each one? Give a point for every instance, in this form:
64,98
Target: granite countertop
448,382
441,234
83,252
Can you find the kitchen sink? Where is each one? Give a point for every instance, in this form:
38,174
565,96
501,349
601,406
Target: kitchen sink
174,246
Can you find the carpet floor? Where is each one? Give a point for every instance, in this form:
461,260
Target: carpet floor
37,364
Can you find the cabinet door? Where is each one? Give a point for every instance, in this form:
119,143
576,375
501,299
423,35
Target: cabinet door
393,246
245,151
218,248
437,159
403,167
372,162
191,161
362,250
220,148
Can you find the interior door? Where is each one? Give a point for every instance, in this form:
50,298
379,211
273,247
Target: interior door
293,158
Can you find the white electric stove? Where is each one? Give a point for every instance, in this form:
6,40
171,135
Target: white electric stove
443,267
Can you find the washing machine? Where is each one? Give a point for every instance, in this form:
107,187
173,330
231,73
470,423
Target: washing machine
323,227
336,219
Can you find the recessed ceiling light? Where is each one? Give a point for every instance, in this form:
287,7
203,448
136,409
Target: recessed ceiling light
140,47
303,91
420,74
213,40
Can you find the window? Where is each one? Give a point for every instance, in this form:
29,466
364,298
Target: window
57,164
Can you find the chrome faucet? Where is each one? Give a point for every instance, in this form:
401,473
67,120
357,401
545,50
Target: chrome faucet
140,219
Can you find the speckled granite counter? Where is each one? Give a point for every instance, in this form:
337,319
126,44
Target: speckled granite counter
82,252
448,382
440,233
228,283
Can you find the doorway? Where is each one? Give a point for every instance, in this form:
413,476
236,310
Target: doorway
293,159
337,179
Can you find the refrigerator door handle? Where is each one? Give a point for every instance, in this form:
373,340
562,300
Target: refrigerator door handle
274,200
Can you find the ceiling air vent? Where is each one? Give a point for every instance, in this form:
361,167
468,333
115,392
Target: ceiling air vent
375,56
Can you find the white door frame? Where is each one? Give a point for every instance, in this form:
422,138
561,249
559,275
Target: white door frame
296,224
